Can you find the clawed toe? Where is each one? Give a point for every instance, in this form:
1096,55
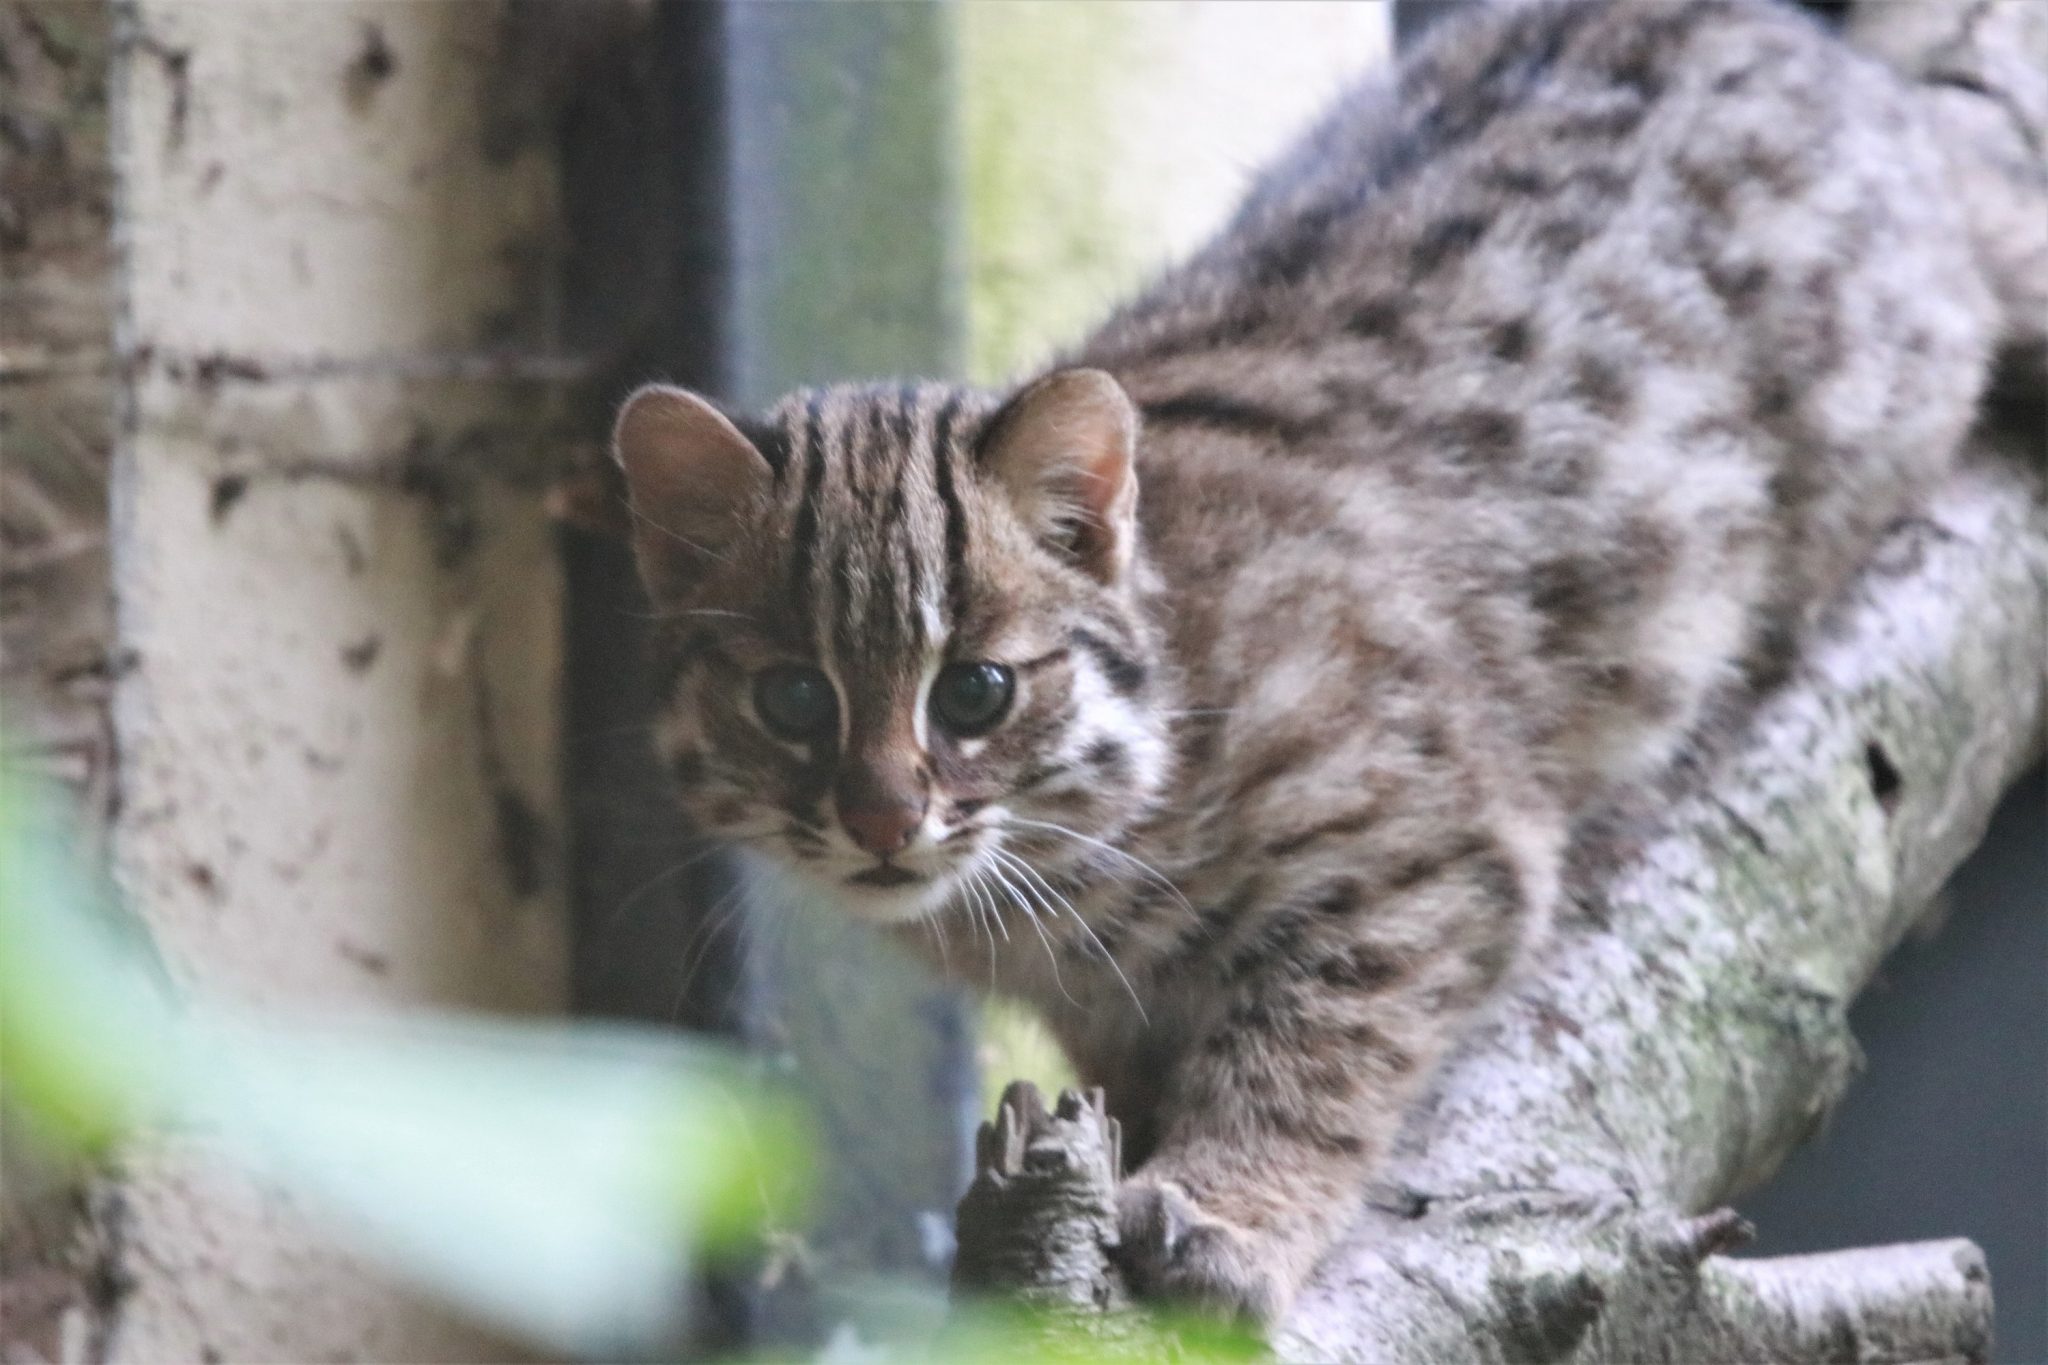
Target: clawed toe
1172,1250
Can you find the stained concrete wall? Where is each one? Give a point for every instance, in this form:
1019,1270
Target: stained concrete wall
56,418
336,604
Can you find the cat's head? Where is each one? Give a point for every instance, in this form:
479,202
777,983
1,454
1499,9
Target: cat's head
902,629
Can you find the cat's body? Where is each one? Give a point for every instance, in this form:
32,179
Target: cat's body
1523,415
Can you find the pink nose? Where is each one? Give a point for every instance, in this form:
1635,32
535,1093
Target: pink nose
882,829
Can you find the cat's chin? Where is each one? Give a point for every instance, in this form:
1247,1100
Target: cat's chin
893,905
876,904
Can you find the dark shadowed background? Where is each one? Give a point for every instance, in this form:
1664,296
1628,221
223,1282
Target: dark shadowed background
1946,1133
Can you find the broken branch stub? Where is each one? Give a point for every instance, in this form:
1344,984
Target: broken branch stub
1039,1221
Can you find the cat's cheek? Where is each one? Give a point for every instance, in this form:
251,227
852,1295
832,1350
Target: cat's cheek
725,814
679,739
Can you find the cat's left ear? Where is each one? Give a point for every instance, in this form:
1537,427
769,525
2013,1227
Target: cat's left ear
1064,451
693,478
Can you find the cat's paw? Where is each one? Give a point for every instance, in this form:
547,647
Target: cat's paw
1172,1250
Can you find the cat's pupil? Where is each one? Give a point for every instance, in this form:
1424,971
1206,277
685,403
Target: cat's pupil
970,698
795,702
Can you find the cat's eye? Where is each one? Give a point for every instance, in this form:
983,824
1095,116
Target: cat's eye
795,703
968,699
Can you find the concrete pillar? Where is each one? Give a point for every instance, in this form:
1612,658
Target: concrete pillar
337,607
56,415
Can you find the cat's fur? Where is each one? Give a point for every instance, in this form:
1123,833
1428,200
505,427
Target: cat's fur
1531,405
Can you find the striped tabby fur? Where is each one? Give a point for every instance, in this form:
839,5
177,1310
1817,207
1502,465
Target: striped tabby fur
1526,411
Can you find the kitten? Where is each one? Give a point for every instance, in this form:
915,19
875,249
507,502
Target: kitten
1230,692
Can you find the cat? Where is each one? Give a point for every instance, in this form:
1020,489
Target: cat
1231,690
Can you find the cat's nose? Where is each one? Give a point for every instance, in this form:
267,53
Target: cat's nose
883,828
882,788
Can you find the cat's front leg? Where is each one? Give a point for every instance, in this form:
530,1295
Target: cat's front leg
1232,1213
1278,1111
1178,1248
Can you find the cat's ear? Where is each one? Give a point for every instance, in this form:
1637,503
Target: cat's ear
1064,451
691,476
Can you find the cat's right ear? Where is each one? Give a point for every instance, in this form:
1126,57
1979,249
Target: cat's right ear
1064,450
691,477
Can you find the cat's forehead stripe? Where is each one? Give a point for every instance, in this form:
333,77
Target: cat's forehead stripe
810,448
879,539
904,547
955,514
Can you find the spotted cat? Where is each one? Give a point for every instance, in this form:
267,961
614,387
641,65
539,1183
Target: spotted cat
1231,690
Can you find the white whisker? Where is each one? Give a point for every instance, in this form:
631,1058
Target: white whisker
1040,879
1050,955
679,539
722,913
1087,929
705,611
984,909
938,928
997,911
718,844
1152,873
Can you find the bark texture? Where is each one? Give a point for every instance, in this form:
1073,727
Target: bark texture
1555,1198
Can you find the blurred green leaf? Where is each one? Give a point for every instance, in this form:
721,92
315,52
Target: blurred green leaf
992,1333
998,1332
554,1178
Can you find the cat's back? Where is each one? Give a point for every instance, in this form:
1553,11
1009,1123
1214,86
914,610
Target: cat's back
1573,250
1688,166
1607,329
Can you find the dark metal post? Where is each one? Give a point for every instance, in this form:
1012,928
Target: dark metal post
762,196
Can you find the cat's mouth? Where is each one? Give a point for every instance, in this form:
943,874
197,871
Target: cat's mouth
900,889
888,894
884,875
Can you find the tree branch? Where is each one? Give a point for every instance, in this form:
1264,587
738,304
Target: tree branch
1686,1028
